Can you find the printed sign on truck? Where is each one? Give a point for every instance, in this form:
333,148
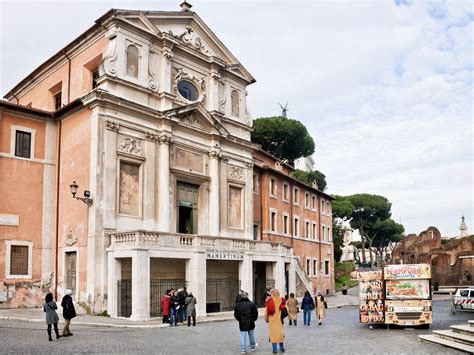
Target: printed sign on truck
413,271
371,306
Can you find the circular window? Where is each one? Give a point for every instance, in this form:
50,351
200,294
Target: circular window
188,90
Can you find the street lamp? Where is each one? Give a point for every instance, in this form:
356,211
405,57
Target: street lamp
87,194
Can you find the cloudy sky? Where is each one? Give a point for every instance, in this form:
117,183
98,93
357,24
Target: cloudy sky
384,87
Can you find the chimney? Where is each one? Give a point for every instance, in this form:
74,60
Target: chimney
185,6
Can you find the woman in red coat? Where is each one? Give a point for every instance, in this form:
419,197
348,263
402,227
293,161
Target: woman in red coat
165,307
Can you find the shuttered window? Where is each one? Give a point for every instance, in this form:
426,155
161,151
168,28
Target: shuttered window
19,260
23,144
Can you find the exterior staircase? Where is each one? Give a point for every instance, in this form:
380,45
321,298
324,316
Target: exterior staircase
303,276
459,337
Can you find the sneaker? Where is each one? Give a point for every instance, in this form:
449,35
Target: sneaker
254,348
282,350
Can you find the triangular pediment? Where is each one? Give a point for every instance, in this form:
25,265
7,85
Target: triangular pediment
197,117
189,31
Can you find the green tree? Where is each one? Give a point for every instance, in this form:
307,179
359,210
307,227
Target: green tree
381,233
308,177
285,138
341,208
362,210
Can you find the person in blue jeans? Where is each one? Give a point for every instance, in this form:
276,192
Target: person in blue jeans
174,308
246,314
307,305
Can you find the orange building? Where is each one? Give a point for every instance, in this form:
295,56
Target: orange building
295,214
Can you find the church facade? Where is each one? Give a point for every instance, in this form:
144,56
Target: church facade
146,117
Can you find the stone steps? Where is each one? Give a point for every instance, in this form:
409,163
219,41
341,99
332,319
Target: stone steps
431,338
471,323
464,329
460,337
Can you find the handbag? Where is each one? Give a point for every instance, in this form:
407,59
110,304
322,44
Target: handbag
297,309
284,313
325,305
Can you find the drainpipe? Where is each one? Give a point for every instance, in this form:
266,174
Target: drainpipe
58,170
17,99
320,246
290,186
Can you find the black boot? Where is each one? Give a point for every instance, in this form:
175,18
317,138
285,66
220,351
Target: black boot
295,321
56,331
49,335
290,322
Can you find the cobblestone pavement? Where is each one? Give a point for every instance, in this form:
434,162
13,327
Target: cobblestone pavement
340,333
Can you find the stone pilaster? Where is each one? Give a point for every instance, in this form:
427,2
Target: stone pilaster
140,286
214,210
164,184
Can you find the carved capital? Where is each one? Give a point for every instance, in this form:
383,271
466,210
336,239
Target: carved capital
165,139
167,53
214,154
248,165
112,126
151,137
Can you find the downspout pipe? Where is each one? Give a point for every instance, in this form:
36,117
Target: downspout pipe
58,175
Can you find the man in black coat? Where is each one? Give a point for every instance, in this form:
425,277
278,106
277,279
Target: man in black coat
68,312
174,308
246,313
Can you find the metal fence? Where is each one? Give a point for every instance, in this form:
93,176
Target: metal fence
221,294
124,296
157,289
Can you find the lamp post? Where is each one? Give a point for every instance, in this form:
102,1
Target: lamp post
86,199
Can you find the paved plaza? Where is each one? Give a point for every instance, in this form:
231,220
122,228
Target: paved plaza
341,333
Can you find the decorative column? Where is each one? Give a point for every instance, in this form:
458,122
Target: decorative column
165,71
246,275
140,286
214,220
164,205
196,270
292,276
213,99
279,275
114,275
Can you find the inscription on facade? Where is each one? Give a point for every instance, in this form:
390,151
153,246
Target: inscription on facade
189,160
223,255
9,220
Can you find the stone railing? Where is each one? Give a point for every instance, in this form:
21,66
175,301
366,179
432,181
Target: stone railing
146,238
304,277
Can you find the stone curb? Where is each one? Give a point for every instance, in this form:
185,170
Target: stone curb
111,325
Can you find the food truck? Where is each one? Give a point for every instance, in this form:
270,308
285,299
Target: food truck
396,294
408,294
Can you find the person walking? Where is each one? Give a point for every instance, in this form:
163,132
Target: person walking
185,313
69,312
273,308
52,318
292,306
165,307
307,304
181,301
191,308
246,314
321,306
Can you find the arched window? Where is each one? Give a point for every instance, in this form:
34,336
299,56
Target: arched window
132,61
234,99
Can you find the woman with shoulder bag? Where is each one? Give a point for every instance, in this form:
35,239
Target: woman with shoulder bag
307,305
321,306
273,308
52,318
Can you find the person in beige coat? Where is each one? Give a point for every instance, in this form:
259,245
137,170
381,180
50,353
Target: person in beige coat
320,304
292,306
275,304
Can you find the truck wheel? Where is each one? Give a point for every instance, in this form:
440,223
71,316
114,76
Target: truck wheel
424,326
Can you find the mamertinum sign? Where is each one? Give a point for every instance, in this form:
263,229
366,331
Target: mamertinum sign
223,255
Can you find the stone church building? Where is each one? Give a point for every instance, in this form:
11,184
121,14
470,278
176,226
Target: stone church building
144,115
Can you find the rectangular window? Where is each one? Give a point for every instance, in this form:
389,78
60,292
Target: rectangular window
296,228
296,196
19,260
308,266
71,267
328,209
286,192
23,144
326,267
57,100
306,200
273,221
306,230
315,267
313,202
285,224
273,187
322,206
315,231
129,199
95,77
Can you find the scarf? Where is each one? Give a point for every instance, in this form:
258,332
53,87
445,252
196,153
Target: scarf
271,306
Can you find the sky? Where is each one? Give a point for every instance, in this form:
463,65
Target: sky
384,87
